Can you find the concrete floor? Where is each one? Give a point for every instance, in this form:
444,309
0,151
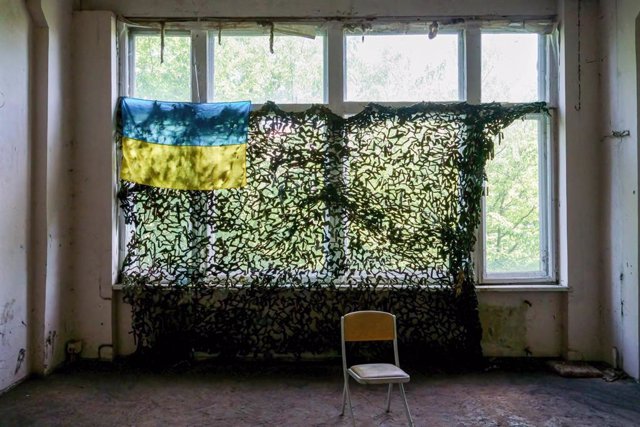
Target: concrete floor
308,394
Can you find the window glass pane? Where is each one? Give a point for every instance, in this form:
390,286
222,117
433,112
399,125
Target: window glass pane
166,81
398,68
513,227
509,67
244,69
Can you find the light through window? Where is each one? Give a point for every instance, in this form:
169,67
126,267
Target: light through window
510,67
517,216
400,68
244,68
516,238
167,78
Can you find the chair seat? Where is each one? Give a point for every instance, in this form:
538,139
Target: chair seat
378,373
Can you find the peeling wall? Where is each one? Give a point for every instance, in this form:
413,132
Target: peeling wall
580,178
35,172
51,148
15,177
311,8
620,47
59,178
522,324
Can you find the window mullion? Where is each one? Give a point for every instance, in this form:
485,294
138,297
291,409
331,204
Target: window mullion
125,49
472,82
199,82
336,172
472,65
335,73
547,230
130,76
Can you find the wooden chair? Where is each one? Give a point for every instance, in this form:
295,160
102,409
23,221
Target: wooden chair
372,326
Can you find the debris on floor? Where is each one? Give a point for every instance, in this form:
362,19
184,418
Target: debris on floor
572,369
610,375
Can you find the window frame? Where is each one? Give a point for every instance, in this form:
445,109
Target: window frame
547,173
334,73
547,218
131,57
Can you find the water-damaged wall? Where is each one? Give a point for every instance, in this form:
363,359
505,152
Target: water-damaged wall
15,178
620,43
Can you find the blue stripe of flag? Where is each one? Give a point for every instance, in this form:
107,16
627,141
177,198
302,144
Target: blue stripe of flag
184,123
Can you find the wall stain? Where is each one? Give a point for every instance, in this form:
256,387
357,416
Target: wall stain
21,356
5,318
7,312
50,343
505,329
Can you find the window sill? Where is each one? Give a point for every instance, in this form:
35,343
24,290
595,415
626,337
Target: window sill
525,287
482,288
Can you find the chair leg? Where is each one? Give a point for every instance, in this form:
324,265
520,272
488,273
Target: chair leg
389,397
406,405
346,388
344,398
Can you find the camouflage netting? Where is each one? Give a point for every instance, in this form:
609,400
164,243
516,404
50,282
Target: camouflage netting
376,211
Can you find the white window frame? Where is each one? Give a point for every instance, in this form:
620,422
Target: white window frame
546,214
469,68
547,198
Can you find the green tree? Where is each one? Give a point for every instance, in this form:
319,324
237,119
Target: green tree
169,80
512,204
244,68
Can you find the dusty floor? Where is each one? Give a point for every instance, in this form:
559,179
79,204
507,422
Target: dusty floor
308,394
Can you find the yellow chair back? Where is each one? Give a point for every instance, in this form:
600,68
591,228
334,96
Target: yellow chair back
369,326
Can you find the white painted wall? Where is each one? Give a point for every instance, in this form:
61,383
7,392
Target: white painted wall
95,244
15,177
580,178
59,179
35,166
51,156
620,54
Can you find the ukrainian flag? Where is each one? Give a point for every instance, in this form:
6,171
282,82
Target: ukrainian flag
183,145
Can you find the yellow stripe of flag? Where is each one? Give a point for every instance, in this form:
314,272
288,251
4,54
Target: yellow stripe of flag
184,167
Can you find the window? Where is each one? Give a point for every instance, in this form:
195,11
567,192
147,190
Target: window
167,78
346,70
402,68
517,216
294,74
